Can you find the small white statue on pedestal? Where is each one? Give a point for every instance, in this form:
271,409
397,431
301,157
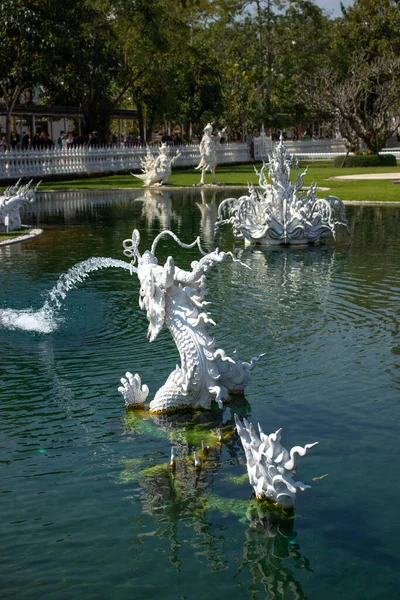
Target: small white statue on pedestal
11,200
208,153
156,170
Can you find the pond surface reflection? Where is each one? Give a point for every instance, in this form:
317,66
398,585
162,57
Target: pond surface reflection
90,505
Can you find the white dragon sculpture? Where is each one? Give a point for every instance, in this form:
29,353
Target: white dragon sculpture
270,466
281,212
11,200
175,297
156,170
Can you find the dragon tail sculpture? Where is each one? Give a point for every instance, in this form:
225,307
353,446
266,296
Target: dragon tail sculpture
270,466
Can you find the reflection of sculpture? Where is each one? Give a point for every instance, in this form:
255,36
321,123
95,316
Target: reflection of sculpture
176,491
269,465
11,200
280,213
157,206
271,553
208,153
157,169
209,213
179,493
175,297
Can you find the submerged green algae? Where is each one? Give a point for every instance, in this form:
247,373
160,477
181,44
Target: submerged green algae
237,479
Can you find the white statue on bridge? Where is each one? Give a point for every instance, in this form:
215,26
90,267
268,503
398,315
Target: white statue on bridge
208,153
156,170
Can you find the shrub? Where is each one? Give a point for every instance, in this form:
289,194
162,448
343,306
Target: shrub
365,160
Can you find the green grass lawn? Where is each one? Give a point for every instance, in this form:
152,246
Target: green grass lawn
4,235
368,190
242,175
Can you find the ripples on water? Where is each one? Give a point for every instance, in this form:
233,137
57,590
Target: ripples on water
80,521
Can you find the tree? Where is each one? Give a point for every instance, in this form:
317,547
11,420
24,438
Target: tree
25,48
365,103
361,91
267,54
86,65
371,25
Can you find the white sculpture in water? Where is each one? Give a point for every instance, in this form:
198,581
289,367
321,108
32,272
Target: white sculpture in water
11,200
280,212
156,170
208,153
175,297
270,466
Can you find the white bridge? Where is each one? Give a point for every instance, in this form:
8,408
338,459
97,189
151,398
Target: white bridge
82,159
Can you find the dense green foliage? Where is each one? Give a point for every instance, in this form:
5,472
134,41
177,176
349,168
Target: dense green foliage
365,160
238,62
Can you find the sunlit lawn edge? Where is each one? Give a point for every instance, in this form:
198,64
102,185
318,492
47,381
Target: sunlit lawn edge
243,175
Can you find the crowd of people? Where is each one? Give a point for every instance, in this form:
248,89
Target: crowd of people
44,141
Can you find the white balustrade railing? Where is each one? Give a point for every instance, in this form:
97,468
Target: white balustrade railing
82,159
302,149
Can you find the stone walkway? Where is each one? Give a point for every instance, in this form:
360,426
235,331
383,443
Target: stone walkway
365,176
29,235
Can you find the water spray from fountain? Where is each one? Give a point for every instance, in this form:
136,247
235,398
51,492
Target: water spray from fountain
46,319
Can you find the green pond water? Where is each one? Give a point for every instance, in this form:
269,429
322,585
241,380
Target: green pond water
89,506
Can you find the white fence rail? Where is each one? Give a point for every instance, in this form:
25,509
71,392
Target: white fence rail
41,163
302,149
80,160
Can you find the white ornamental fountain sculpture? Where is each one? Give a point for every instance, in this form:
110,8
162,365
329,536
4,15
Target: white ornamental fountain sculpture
156,170
270,466
208,153
175,297
281,212
11,200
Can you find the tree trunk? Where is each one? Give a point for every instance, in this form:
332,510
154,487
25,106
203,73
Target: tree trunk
96,120
139,108
149,127
9,110
10,100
